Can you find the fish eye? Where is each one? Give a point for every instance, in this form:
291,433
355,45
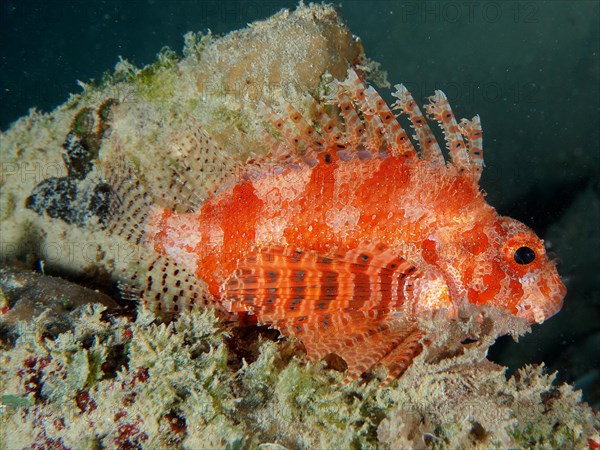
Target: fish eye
524,255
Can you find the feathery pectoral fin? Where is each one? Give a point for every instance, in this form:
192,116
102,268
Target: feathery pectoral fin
334,304
278,283
361,338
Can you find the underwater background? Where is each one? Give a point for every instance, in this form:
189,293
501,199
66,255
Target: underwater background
530,69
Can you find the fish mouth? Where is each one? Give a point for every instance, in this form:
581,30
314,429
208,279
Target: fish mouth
543,307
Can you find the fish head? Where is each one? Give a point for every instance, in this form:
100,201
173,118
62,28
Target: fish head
532,284
518,274
499,261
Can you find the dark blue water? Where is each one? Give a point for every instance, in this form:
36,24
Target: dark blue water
530,69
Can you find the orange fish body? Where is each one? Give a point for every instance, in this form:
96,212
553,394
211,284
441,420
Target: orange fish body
344,230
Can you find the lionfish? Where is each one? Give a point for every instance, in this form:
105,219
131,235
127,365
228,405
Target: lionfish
343,236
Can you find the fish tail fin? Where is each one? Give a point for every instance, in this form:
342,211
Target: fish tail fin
164,287
155,280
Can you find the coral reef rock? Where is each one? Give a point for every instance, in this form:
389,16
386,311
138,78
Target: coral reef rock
116,382
51,302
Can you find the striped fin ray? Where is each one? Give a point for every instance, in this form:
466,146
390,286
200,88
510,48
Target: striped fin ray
364,339
334,304
330,332
466,157
361,338
293,141
368,128
304,141
157,281
471,131
281,283
130,203
328,127
366,353
385,128
307,132
200,169
382,121
440,110
401,356
377,136
381,348
354,126
429,147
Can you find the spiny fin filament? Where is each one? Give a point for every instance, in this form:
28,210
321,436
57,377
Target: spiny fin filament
334,304
166,288
156,281
278,283
369,129
130,203
200,169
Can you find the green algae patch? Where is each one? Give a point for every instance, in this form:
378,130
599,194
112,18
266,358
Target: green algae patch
158,82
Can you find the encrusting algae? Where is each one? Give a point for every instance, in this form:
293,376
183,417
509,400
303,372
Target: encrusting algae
141,192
